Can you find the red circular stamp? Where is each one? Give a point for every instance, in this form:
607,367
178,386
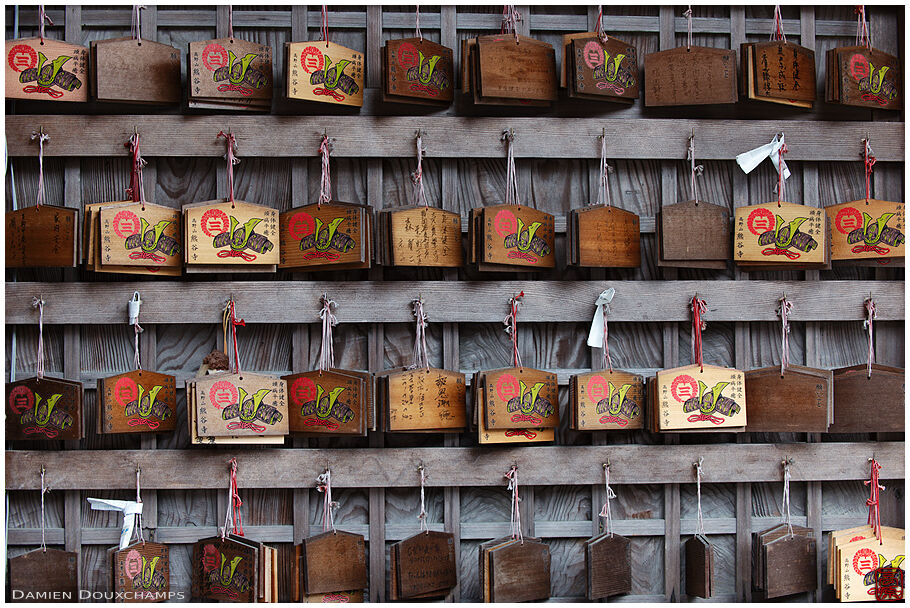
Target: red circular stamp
684,388
223,394
407,55
21,399
300,225
593,54
864,561
125,391
214,222
303,390
126,224
859,66
507,387
848,219
311,59
760,220
22,57
214,56
597,388
505,223
132,565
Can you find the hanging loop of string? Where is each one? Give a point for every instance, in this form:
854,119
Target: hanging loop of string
136,191
324,485
511,323
231,158
688,16
422,515
603,189
233,518
785,498
325,184
599,29
868,163
39,304
133,308
694,170
875,518
231,22
781,180
420,195
699,307
135,23
229,322
42,19
700,522
510,19
609,495
607,363
44,490
420,335
777,32
784,309
869,305
863,33
515,517
325,25
508,138
417,22
327,350
42,137
139,513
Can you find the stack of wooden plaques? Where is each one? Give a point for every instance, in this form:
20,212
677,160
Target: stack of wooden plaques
44,236
423,400
128,237
693,399
681,245
141,571
417,71
330,564
46,573
502,71
229,74
419,236
856,557
248,408
49,408
511,238
699,567
779,72
230,236
860,230
136,402
332,402
801,400
779,235
598,69
868,404
515,405
603,236
234,569
606,400
46,70
513,570
324,72
422,566
326,236
696,75
860,76
128,70
608,563
784,562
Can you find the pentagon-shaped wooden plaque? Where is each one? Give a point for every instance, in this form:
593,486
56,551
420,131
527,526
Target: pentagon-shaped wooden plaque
864,404
425,236
608,561
784,70
135,71
518,235
780,233
695,230
426,399
46,70
520,398
141,234
42,237
224,570
50,408
426,565
419,69
790,565
325,72
869,78
797,402
241,405
230,69
692,398
872,229
329,402
138,401
607,400
334,562
235,233
42,575
690,76
142,572
323,235
520,572
605,69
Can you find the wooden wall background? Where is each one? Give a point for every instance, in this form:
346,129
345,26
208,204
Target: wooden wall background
184,167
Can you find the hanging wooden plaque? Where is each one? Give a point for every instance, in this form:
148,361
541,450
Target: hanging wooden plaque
47,70
416,69
197,439
246,405
861,560
696,232
425,565
394,586
50,408
520,398
230,70
424,237
867,230
790,565
517,235
484,563
141,234
699,567
138,401
235,233
142,572
91,239
520,572
783,70
44,575
694,76
691,398
135,71
835,536
426,399
333,562
604,400
329,402
605,236
780,233
326,72
760,540
868,78
608,563
868,405
799,401
42,237
510,69
331,234
604,70
225,570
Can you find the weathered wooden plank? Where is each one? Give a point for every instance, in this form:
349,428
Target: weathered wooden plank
375,137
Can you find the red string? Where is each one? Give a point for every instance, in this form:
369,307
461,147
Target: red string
780,172
862,27
235,497
868,161
325,25
875,518
699,307
599,30
234,323
136,163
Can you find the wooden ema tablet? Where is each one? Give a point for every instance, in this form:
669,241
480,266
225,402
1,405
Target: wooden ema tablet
856,533
138,401
46,70
336,597
520,572
868,78
425,237
750,87
861,562
333,562
780,234
854,543
690,398
230,69
783,70
484,563
517,235
608,562
842,538
695,231
224,233
329,402
224,570
760,542
790,565
695,76
197,439
699,567
140,235
51,575
426,399
420,70
142,572
323,235
607,400
135,71
41,237
797,402
867,230
520,398
247,405
607,236
605,70
425,565
868,405
50,408
507,69
326,72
